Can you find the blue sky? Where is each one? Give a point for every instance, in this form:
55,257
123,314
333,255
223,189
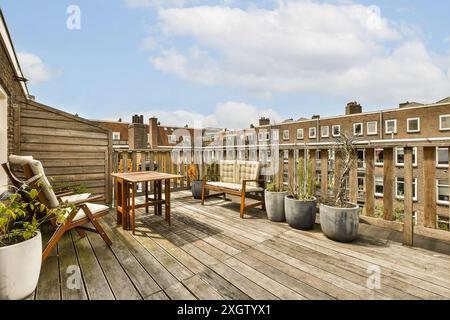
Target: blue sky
226,62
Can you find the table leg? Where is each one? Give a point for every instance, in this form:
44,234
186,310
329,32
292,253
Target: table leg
118,193
167,200
160,197
125,199
133,208
146,196
155,195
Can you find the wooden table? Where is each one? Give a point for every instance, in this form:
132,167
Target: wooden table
126,195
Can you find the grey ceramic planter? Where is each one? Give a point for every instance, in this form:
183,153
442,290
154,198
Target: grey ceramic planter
196,188
275,205
300,214
340,224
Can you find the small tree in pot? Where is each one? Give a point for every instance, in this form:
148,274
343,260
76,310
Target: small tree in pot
21,216
301,205
339,218
196,181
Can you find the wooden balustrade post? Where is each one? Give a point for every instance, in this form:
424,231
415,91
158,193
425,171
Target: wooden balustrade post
133,161
291,167
408,226
125,162
324,174
337,172
312,157
353,182
370,182
429,187
388,184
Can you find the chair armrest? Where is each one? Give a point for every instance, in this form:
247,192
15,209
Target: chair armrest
64,194
91,199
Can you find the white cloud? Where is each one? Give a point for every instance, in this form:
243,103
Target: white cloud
346,50
156,3
34,68
231,115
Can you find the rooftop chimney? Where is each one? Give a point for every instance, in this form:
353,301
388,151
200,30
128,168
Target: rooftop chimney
263,121
137,133
408,104
353,108
316,116
153,132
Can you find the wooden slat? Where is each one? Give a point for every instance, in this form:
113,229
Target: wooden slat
408,231
324,173
62,133
353,183
429,187
61,148
388,184
370,182
55,140
312,157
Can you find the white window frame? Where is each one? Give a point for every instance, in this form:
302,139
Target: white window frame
285,134
362,129
386,126
403,164
407,125
327,134
300,136
379,164
437,159
114,135
445,203
375,186
260,135
363,158
313,136
275,135
415,182
172,139
369,133
267,136
440,122
332,130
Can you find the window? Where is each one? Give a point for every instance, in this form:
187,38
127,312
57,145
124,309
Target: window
400,188
443,223
372,128
444,122
361,159
391,126
442,191
313,132
336,131
379,158
187,139
325,131
267,136
400,157
116,136
358,129
379,186
172,138
260,136
413,125
275,135
300,134
286,135
442,157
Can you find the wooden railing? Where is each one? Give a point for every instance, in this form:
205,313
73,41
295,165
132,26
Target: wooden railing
383,211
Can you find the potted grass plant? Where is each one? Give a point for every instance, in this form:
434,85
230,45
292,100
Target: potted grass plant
339,218
21,216
274,200
300,204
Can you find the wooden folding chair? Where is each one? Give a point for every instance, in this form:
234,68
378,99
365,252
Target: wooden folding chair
85,211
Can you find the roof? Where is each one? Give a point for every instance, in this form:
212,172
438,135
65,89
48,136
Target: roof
6,38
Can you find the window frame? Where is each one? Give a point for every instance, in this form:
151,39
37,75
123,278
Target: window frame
285,137
397,164
302,134
315,133
386,126
114,133
437,158
418,125
275,135
441,202
440,122
379,195
362,129
332,130
378,164
322,135
415,195
171,140
376,128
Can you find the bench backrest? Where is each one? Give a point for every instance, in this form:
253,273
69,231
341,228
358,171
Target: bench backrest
236,171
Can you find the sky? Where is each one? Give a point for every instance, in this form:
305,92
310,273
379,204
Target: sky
226,63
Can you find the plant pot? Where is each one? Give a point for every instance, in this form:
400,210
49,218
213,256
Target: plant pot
340,224
196,188
275,205
20,266
300,214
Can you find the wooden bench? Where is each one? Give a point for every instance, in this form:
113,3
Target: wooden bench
238,178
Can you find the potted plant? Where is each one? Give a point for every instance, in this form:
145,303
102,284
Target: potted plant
196,182
21,216
274,199
339,218
301,205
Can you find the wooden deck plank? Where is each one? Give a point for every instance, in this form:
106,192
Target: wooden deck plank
179,292
226,289
160,295
201,289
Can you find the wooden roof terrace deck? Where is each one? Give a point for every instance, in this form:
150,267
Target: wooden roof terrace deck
210,253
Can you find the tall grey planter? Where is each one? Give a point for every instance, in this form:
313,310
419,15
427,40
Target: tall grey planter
275,205
300,214
340,224
196,188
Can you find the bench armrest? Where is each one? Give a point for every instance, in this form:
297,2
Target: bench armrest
90,199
